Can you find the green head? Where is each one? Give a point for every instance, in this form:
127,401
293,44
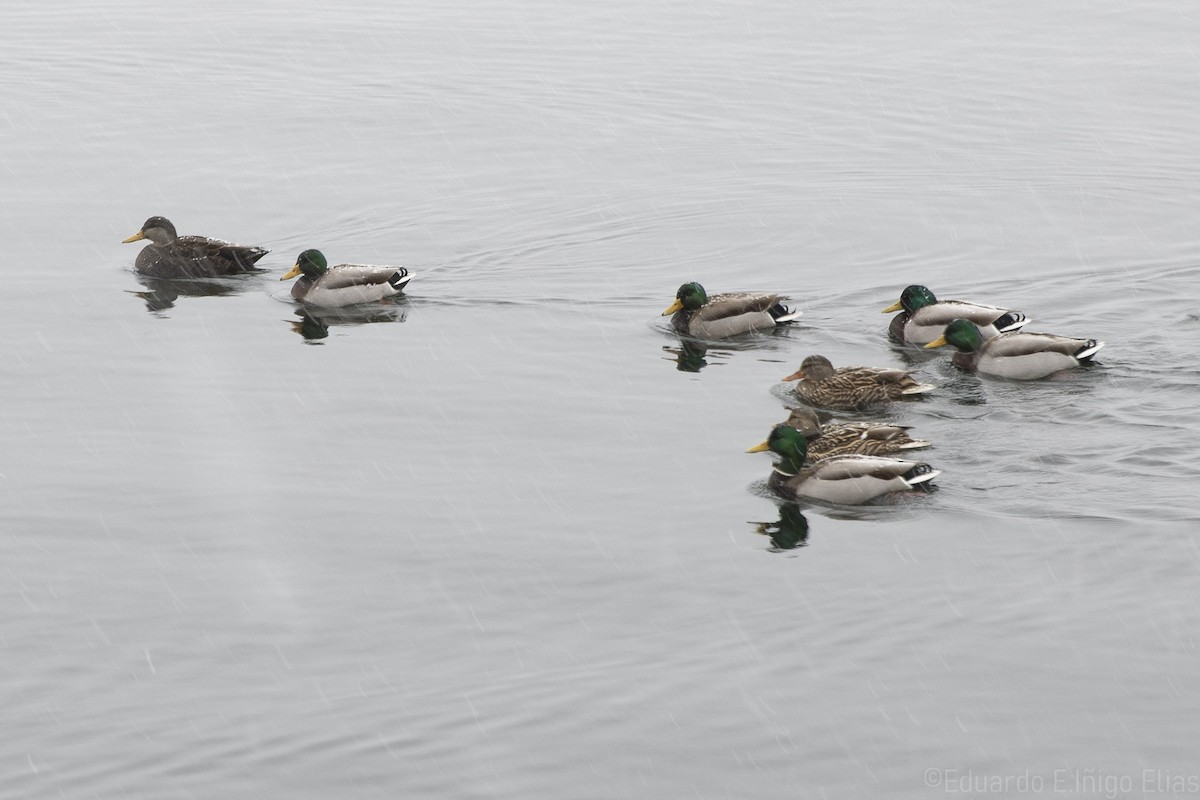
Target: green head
787,443
689,297
311,262
962,334
912,298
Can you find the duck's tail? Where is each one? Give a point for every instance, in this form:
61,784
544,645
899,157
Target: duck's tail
782,314
920,475
399,278
1086,352
1013,320
914,444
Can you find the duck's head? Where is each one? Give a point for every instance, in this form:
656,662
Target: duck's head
689,298
805,421
815,368
157,229
787,443
311,262
963,334
912,298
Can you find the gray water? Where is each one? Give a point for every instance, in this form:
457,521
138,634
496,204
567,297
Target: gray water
501,539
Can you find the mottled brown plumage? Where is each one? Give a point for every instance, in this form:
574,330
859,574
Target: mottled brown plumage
852,388
842,438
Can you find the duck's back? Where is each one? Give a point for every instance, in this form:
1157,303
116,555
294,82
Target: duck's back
1028,356
197,257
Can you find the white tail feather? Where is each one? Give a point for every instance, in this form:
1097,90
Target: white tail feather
1082,354
923,477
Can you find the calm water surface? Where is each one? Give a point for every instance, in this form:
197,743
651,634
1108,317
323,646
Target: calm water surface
501,539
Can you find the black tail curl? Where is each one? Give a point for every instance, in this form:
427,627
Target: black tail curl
399,278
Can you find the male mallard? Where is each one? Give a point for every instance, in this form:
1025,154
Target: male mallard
852,388
848,479
925,316
344,284
1024,356
844,438
170,255
697,314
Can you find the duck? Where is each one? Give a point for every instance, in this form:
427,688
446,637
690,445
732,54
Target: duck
343,284
1020,355
170,255
845,479
925,317
842,438
852,388
696,314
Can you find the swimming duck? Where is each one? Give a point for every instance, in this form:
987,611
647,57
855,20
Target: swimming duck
170,255
1019,355
852,388
343,284
843,438
925,317
694,313
847,479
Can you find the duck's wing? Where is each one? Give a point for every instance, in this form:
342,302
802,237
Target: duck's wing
854,479
1016,345
943,312
345,276
202,247
884,378
1029,356
735,304
860,467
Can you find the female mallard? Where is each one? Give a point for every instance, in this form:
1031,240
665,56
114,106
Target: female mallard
852,388
170,255
925,317
1023,356
844,438
344,284
848,479
697,314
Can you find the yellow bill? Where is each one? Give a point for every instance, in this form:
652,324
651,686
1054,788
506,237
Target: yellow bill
938,342
676,306
896,306
759,448
293,272
137,237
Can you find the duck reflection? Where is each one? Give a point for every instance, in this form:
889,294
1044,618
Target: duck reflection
314,323
693,355
161,293
689,356
789,532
